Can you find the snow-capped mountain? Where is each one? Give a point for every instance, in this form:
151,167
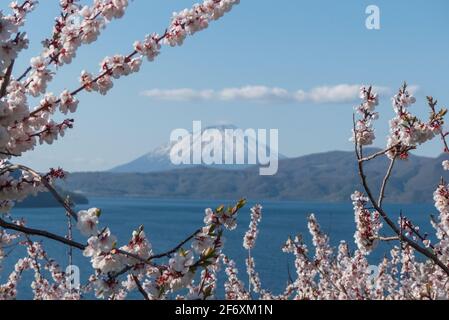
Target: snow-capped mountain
159,159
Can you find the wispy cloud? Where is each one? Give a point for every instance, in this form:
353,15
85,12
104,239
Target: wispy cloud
179,94
341,93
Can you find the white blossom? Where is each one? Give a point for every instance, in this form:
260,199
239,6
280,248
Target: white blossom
88,221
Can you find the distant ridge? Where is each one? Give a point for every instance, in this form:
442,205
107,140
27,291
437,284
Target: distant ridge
324,177
46,200
158,160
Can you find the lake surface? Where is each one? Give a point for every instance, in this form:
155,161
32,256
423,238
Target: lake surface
167,222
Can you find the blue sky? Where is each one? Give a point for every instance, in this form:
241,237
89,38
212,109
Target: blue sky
291,45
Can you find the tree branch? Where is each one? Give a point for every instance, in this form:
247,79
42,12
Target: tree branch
24,74
41,233
6,80
378,154
157,256
392,225
385,181
47,185
175,249
141,289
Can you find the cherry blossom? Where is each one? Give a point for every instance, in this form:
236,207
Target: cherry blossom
150,47
182,261
251,234
68,103
441,198
88,221
363,130
446,165
368,224
406,130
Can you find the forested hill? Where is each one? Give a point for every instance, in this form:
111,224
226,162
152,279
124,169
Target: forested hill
324,177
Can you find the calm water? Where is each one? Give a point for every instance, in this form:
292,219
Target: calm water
167,222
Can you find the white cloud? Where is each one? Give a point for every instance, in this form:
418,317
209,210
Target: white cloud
254,93
341,93
179,94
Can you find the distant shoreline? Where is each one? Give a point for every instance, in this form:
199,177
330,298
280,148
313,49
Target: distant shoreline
329,177
46,200
92,199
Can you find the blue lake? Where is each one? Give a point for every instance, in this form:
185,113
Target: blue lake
167,222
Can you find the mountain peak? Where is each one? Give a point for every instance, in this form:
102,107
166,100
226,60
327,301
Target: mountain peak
159,159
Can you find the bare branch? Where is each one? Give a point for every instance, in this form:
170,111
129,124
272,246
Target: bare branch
141,289
175,249
41,233
385,181
6,79
378,154
24,74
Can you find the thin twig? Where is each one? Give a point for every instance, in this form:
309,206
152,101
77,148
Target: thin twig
249,274
6,80
70,233
385,181
378,154
175,249
141,289
24,74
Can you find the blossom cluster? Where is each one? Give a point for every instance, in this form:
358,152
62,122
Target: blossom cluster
250,237
363,131
76,26
17,183
136,258
445,165
406,130
11,40
336,273
234,287
367,224
190,21
5,240
17,189
55,287
249,243
441,198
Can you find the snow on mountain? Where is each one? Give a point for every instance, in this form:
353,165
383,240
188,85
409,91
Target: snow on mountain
159,159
